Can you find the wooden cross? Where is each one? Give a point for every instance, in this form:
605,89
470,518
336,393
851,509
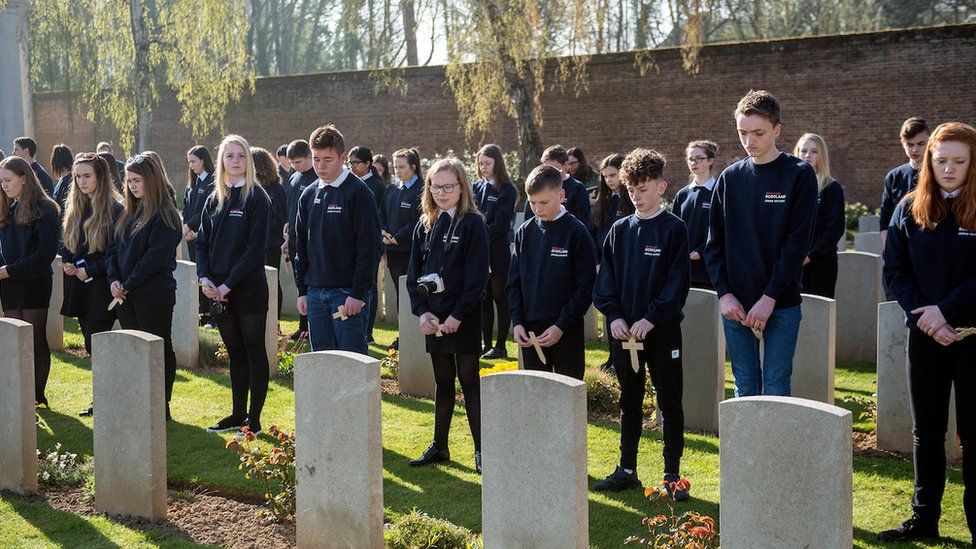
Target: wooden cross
340,313
758,333
633,347
538,348
114,302
963,333
437,324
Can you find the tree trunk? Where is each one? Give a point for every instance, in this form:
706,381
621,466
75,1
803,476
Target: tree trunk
410,31
143,74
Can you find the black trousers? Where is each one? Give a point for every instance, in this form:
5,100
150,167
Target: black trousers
820,276
932,371
662,357
153,313
243,335
566,357
273,259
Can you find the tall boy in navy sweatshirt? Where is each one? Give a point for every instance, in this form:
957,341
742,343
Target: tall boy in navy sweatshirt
641,289
576,200
551,278
760,229
337,229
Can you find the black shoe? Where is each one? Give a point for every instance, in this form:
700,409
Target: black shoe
477,461
395,345
495,352
88,412
431,455
229,423
253,425
910,530
678,494
618,480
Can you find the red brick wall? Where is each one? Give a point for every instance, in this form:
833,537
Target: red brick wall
855,90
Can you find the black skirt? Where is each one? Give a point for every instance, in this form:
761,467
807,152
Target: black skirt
465,341
499,259
32,293
247,298
87,299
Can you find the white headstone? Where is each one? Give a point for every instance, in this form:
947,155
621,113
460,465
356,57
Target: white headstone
415,373
813,363
339,462
130,424
289,292
703,364
390,301
591,325
786,469
55,322
271,322
842,244
869,242
869,223
858,293
534,445
186,316
18,433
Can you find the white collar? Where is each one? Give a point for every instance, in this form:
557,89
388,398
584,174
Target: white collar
562,211
660,210
238,185
450,212
410,183
565,176
953,194
710,184
338,181
203,175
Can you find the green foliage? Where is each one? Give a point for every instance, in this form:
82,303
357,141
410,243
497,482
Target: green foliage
689,530
853,211
417,530
57,468
390,364
602,390
274,468
287,351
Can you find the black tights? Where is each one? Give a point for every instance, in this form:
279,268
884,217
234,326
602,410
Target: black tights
466,369
90,327
153,313
37,318
496,294
243,336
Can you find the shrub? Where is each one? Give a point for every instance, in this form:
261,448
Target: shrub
391,363
417,530
55,468
500,367
287,352
275,469
602,391
853,211
690,530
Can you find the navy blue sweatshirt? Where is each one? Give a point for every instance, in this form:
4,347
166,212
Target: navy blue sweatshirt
233,240
498,207
552,272
96,263
898,183
400,213
196,197
377,187
61,191
296,187
44,178
931,267
463,265
693,204
28,250
279,214
644,271
830,223
144,262
759,229
577,201
337,231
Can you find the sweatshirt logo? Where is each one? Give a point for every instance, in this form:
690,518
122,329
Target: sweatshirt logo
964,232
706,205
652,251
333,209
492,198
454,239
236,213
558,251
406,205
775,197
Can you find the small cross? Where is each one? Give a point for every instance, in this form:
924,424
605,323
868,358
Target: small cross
633,347
758,333
538,348
114,302
438,325
340,313
963,333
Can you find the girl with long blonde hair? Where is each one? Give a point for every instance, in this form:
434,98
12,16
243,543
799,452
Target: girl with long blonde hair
829,226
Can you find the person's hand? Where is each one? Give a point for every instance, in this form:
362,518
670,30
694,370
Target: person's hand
619,329
806,261
222,292
428,323
641,328
81,273
118,292
69,269
946,335
551,336
191,236
352,306
450,325
186,229
931,319
731,308
302,306
695,256
760,312
208,288
521,336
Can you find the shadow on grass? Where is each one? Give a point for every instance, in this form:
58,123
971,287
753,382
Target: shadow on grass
61,528
438,490
869,537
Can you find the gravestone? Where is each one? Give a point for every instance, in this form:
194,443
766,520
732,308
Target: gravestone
534,441
869,242
591,325
390,300
869,223
186,316
786,469
339,462
55,322
289,292
894,424
842,244
813,363
271,321
858,293
703,363
129,424
415,373
18,433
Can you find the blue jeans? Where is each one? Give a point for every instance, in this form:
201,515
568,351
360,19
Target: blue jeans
772,376
334,334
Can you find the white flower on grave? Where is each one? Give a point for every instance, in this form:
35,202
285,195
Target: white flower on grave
46,475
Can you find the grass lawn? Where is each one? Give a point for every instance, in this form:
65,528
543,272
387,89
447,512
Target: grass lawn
882,487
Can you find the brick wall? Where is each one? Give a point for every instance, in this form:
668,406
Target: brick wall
853,89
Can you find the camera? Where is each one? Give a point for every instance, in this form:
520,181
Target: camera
218,308
430,284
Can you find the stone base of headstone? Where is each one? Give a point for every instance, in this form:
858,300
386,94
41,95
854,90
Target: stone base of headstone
869,242
18,432
858,293
130,424
703,345
534,438
813,362
55,322
271,323
339,462
415,373
186,316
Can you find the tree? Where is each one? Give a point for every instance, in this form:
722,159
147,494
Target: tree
128,50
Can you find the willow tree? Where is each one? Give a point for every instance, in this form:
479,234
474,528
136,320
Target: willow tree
119,55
